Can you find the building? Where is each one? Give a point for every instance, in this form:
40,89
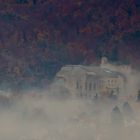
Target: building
91,81
116,66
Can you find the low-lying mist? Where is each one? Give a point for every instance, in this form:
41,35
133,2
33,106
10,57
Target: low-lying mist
41,117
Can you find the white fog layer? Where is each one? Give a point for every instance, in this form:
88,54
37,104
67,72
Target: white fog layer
40,118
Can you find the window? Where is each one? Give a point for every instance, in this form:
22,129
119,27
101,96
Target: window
94,86
90,86
85,86
77,85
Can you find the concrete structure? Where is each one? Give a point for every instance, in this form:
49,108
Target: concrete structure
117,66
91,81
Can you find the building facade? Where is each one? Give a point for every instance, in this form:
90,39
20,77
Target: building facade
91,81
119,67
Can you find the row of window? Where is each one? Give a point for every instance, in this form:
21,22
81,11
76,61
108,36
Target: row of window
109,81
88,86
112,81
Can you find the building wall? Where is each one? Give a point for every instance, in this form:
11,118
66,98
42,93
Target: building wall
91,86
99,86
82,84
125,69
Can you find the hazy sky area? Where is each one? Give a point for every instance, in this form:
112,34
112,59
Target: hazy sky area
38,37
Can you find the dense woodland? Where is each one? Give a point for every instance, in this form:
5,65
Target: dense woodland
37,37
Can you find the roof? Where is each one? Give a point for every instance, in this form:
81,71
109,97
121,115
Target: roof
89,70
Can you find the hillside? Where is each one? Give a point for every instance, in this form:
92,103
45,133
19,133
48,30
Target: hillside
38,37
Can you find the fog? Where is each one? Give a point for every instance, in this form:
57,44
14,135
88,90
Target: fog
133,83
37,116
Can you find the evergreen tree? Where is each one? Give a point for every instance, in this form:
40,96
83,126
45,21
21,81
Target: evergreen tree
116,116
128,112
22,1
114,56
34,1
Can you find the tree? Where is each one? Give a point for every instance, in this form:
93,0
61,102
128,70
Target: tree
128,111
22,1
117,124
34,1
26,1
116,116
114,56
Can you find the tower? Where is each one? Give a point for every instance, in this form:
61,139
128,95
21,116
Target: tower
104,61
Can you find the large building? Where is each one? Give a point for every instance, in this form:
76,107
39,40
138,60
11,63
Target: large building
91,81
116,66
